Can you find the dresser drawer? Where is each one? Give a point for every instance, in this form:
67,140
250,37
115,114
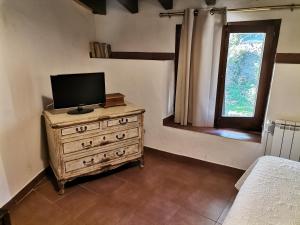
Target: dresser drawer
120,121
80,129
104,157
88,143
84,162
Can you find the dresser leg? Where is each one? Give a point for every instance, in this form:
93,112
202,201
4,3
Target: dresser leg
142,162
61,187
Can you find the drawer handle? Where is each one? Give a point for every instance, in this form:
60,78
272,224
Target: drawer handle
87,146
81,129
105,160
120,154
120,137
89,163
123,121
104,143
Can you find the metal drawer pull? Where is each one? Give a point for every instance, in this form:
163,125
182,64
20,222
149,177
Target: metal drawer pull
120,137
123,121
87,146
81,129
120,154
104,143
88,163
105,160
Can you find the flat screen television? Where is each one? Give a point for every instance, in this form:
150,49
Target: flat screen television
78,90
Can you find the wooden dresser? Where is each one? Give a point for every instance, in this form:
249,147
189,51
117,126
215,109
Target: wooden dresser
91,143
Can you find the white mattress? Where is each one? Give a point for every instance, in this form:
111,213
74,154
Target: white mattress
269,194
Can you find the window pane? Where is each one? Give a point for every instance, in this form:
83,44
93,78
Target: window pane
245,52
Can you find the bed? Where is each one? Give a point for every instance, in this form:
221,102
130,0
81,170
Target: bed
269,194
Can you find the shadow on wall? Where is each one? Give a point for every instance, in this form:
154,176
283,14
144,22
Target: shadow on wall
46,101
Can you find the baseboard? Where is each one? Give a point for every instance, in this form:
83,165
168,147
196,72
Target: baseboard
21,194
4,217
198,161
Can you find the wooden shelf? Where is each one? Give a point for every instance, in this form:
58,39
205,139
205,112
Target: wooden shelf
288,58
143,55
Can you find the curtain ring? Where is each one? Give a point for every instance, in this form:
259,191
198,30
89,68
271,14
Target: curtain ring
196,12
292,7
212,11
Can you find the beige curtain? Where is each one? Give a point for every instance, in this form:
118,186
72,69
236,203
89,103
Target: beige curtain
198,65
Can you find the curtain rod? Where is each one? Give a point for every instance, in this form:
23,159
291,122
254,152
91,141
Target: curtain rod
222,10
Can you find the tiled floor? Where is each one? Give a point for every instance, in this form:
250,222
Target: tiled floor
168,190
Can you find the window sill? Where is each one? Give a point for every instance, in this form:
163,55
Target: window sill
226,133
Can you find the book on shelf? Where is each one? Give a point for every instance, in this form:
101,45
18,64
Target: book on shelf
92,50
109,50
100,50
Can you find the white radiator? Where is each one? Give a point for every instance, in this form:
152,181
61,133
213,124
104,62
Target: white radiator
283,139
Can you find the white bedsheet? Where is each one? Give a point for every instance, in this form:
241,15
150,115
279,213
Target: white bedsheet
269,194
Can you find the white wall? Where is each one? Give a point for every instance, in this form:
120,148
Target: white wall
145,31
37,38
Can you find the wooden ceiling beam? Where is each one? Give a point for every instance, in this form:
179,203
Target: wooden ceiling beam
97,6
131,5
167,4
210,2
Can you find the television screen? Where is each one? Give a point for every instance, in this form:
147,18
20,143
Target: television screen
74,90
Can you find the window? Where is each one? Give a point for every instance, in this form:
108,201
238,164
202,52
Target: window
246,64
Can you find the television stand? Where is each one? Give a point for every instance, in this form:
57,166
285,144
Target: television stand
80,110
93,143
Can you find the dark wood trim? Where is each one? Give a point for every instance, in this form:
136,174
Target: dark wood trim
210,2
236,134
97,6
190,160
131,5
21,194
288,58
167,4
271,28
4,217
143,55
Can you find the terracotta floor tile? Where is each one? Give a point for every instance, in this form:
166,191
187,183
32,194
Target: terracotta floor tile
187,217
157,210
132,193
49,191
77,202
135,219
173,190
206,204
36,210
104,185
106,211
145,178
73,222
